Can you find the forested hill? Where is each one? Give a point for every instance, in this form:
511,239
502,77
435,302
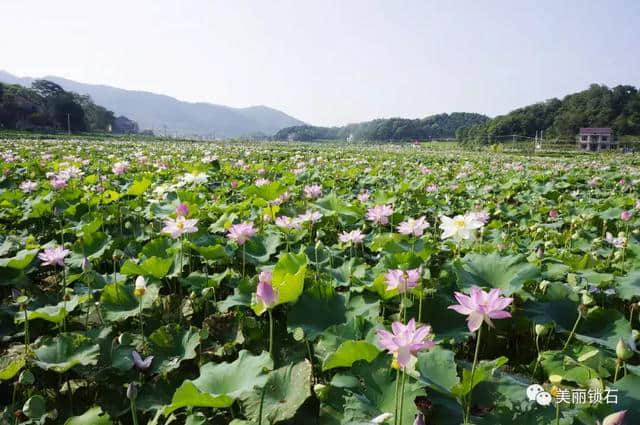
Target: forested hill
598,106
48,107
432,127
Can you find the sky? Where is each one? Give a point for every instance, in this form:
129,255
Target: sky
331,62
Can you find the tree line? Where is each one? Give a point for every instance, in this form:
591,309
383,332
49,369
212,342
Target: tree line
441,126
598,106
46,106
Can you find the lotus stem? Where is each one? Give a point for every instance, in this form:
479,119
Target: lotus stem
404,378
473,371
134,411
144,343
395,413
270,333
573,330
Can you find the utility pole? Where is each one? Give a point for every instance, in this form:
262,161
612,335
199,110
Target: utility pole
68,123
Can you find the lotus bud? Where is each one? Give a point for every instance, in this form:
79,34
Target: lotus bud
86,265
141,287
182,210
419,420
622,351
321,391
614,418
132,391
540,252
635,335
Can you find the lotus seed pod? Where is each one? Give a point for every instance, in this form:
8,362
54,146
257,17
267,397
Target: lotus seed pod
555,379
321,391
586,298
543,285
595,384
541,330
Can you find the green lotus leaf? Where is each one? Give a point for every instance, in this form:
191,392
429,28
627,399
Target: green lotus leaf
268,192
93,416
21,260
493,271
437,369
284,391
315,314
66,351
219,385
118,302
35,407
154,267
287,279
259,249
350,352
10,365
629,286
92,245
53,313
171,345
375,393
138,187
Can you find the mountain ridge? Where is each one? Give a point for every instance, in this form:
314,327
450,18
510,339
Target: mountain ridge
160,112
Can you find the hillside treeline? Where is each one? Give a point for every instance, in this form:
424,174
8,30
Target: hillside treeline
441,126
598,106
46,106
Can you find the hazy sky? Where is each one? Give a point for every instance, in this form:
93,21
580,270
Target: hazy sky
331,62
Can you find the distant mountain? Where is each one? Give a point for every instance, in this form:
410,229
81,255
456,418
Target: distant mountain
440,126
155,111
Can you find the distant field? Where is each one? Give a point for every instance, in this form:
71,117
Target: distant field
275,282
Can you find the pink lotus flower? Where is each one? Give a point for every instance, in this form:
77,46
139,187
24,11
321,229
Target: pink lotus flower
182,210
402,280
553,214
180,226
405,341
482,306
309,216
363,196
313,191
480,216
139,362
625,215
54,256
288,222
380,214
58,183
241,232
28,186
432,188
120,167
264,292
415,227
354,237
614,418
262,182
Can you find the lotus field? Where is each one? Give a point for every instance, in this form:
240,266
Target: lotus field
236,283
